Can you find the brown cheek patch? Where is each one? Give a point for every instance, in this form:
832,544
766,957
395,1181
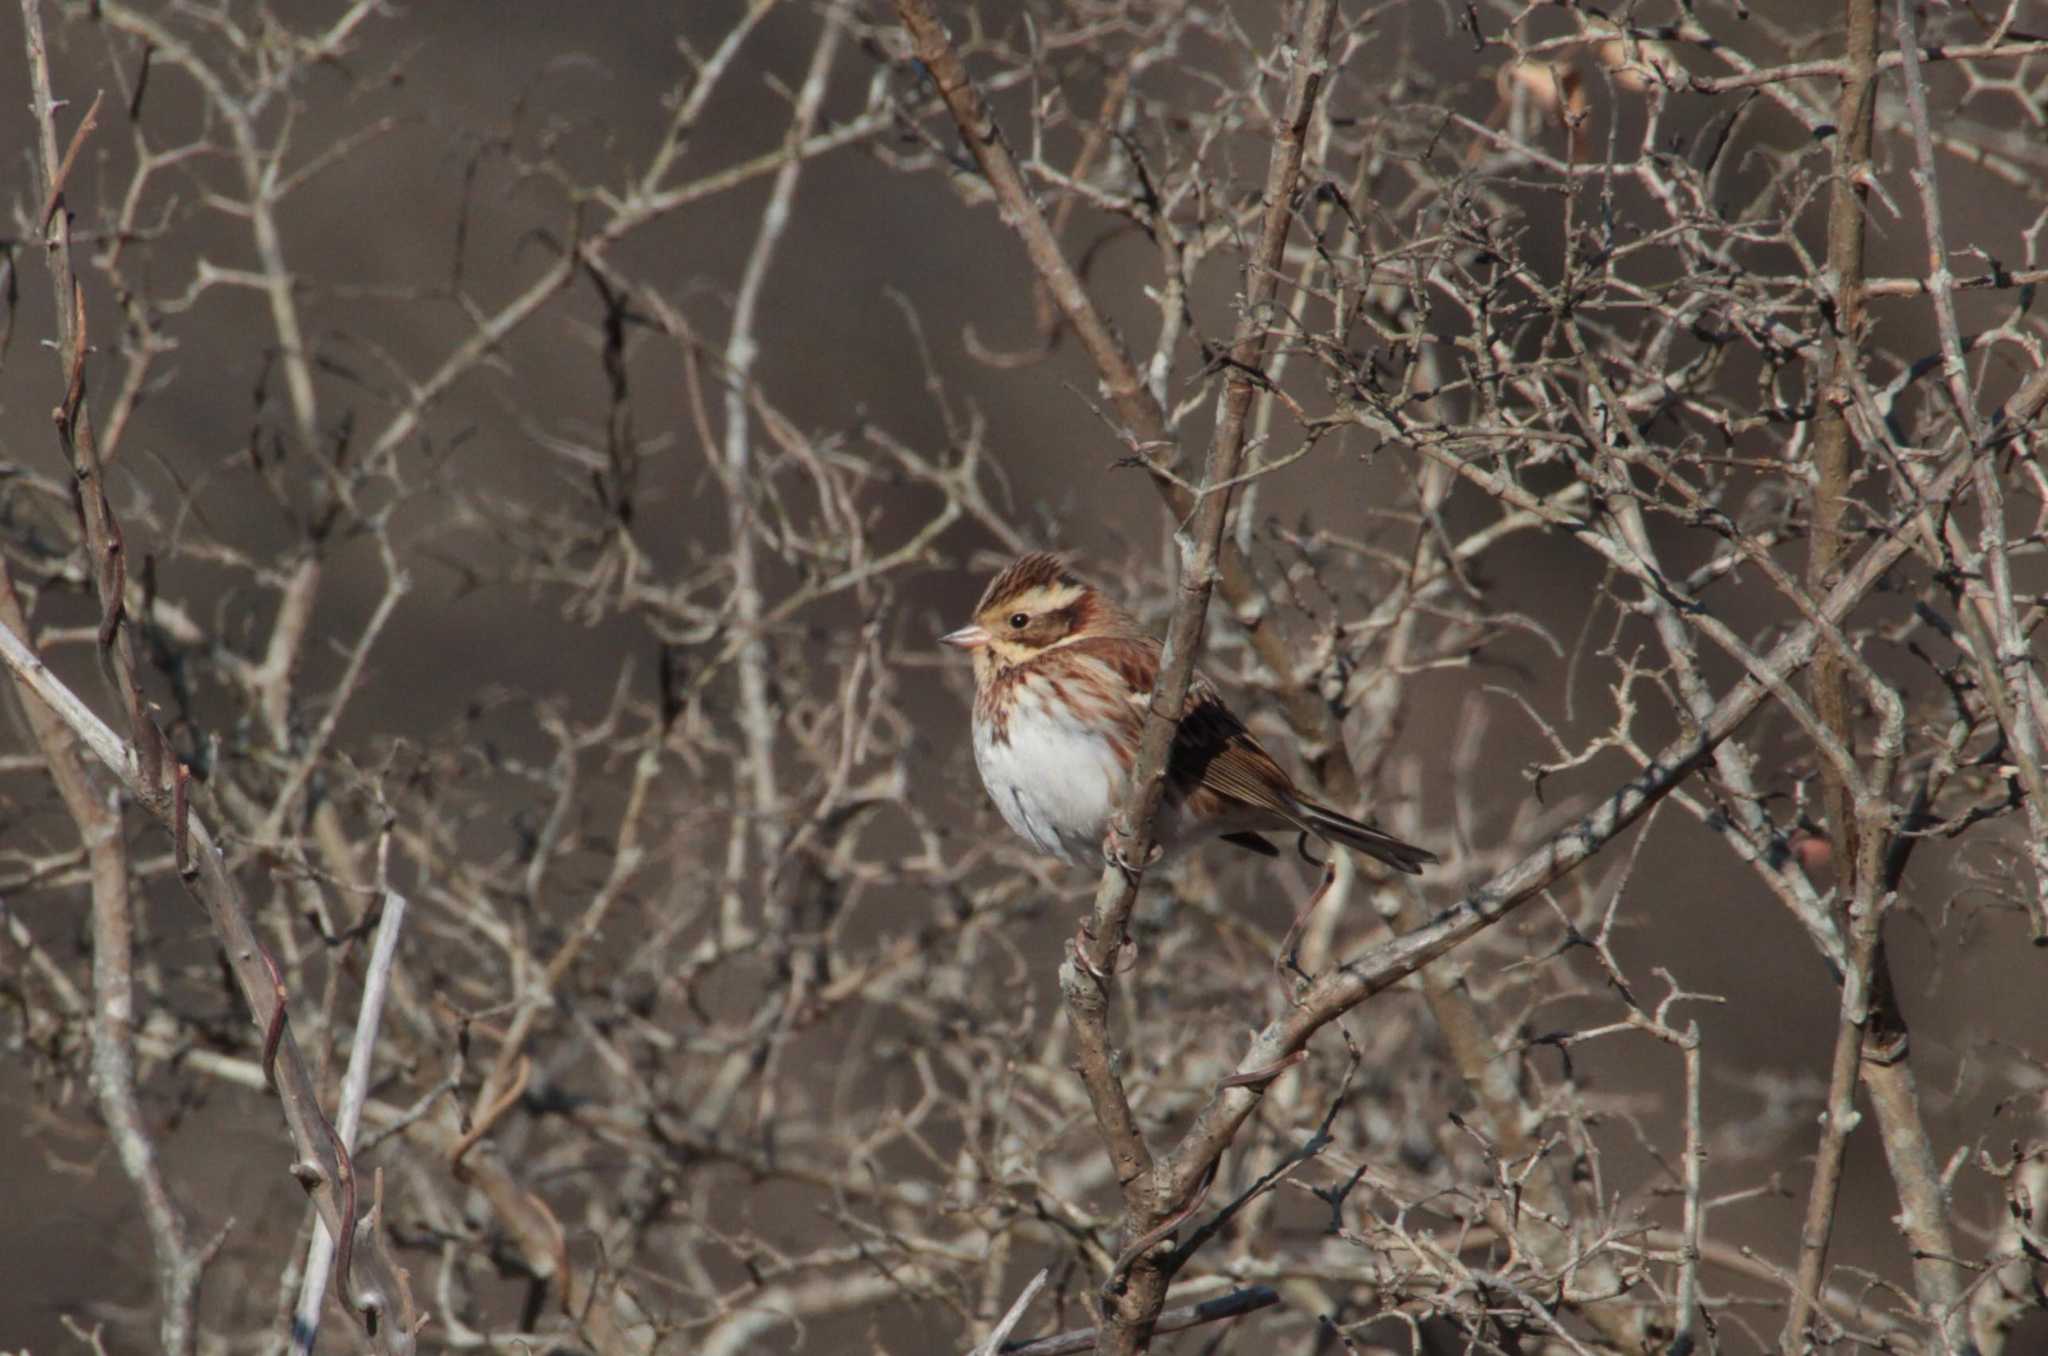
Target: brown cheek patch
1084,612
1049,627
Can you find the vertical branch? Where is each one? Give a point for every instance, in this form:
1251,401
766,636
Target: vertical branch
1833,449
104,549
2005,662
1838,1118
1922,1216
2002,657
355,1088
97,816
758,723
1827,680
1084,976
1203,539
1685,1316
179,1266
383,1298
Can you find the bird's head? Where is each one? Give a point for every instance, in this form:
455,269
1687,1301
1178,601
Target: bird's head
1035,604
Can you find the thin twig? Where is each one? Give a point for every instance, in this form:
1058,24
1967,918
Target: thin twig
355,1089
1002,1330
758,721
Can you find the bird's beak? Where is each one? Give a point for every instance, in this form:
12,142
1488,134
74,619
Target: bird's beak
966,638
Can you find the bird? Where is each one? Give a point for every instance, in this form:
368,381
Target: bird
1063,678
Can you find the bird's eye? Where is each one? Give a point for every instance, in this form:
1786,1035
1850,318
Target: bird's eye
1017,620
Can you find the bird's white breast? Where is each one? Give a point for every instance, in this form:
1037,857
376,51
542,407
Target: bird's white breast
1054,775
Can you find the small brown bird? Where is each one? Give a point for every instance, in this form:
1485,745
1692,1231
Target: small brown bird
1062,679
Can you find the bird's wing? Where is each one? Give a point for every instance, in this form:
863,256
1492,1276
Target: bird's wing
1214,751
1214,755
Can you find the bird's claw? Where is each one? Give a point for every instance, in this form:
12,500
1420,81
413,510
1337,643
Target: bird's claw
1123,962
1117,850
1289,948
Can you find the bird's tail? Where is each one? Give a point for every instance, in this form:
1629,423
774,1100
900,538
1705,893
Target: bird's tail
1342,828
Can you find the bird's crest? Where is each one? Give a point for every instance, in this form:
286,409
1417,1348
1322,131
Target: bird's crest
1039,570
